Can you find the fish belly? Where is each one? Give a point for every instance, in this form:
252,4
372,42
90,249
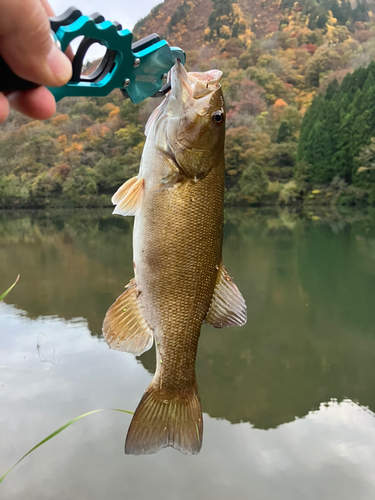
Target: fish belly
177,251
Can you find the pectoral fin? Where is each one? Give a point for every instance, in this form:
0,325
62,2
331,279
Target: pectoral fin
228,307
124,327
128,197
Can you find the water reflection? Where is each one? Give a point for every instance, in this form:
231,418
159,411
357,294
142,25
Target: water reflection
330,453
72,263
309,287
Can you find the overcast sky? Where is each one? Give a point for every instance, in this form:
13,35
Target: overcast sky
126,12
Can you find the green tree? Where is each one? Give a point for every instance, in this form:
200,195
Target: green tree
254,183
285,133
364,169
337,125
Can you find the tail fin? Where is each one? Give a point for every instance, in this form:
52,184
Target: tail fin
164,419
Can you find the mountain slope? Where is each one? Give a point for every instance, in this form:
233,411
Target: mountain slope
273,61
185,23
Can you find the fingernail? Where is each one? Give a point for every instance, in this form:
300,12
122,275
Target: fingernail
60,65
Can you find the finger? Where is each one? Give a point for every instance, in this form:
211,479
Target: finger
50,13
47,8
4,108
37,103
26,44
69,53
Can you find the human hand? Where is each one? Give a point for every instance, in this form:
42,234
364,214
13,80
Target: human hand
27,48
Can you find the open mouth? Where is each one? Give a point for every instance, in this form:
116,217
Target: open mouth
193,85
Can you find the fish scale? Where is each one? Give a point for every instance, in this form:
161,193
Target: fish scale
197,247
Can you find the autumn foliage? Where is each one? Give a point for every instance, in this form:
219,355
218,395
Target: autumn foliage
270,77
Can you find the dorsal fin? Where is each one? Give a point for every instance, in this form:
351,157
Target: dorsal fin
227,307
124,327
128,197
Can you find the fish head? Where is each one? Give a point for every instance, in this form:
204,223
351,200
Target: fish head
189,125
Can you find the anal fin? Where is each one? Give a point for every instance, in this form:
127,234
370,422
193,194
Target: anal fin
124,327
128,197
227,307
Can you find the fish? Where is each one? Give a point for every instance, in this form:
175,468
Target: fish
180,281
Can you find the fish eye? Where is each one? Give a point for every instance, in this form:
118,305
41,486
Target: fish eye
218,117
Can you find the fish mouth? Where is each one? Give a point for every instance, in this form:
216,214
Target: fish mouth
190,96
179,76
187,86
181,92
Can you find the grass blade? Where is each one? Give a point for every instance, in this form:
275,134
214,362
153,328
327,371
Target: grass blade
2,297
60,429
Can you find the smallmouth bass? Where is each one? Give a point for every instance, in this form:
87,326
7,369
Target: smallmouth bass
179,280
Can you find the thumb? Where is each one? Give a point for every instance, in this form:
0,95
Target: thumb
26,44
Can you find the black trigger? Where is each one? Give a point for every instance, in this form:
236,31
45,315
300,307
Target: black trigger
68,17
98,18
106,64
164,90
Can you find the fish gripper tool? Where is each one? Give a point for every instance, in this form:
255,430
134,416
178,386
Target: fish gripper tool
139,69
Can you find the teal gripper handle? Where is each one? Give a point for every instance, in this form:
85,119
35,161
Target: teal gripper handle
141,79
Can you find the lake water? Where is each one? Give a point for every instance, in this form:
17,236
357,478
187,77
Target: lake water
288,399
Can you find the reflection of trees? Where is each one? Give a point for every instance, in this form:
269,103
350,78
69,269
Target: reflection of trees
308,338
308,286
72,264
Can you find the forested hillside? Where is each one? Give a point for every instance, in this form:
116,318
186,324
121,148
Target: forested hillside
275,59
337,132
